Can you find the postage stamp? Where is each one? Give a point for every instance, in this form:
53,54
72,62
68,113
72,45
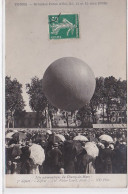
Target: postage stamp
63,26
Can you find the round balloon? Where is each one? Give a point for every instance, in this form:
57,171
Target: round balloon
69,83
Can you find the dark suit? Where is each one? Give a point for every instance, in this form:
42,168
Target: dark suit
53,161
106,156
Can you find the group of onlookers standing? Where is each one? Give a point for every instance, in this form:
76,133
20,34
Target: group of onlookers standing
69,156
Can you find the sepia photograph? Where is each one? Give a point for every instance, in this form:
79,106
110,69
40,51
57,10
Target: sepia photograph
65,122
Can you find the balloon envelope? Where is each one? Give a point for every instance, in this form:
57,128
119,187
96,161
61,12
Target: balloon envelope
68,83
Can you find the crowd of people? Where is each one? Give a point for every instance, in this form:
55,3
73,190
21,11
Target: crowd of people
66,151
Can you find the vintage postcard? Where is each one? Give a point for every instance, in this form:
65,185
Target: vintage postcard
65,120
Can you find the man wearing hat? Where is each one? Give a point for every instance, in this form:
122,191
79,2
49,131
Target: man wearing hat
54,160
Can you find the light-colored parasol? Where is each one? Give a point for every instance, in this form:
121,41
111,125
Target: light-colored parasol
37,154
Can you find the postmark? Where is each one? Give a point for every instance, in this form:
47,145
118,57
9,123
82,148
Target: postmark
63,26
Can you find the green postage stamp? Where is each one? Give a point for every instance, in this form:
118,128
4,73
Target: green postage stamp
63,26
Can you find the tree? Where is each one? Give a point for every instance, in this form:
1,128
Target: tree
109,95
97,97
65,116
109,92
89,110
121,92
38,102
13,98
84,115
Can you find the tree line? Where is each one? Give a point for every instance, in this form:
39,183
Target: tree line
109,91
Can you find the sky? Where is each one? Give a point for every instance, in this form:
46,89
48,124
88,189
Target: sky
29,51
